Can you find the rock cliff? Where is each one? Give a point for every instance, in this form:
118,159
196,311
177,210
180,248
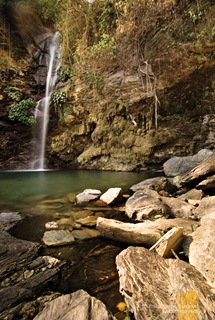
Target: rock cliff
153,99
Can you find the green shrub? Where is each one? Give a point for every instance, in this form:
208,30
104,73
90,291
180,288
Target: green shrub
20,111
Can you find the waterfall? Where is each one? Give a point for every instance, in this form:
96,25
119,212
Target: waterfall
50,59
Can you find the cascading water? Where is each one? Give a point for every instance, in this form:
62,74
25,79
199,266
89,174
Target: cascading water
51,58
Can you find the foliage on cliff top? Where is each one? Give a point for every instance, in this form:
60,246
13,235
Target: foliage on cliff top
175,37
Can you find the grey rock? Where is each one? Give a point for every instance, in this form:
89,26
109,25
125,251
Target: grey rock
177,166
157,183
57,237
200,172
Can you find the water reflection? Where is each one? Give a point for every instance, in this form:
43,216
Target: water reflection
17,187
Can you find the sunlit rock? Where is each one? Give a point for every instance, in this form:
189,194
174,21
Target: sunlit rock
158,288
202,246
112,195
86,196
170,241
142,206
75,306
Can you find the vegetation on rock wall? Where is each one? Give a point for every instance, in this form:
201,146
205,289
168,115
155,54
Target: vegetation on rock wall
134,72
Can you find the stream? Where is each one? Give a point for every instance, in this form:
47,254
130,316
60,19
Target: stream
36,195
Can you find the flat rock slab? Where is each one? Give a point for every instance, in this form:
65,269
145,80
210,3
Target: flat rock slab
76,306
57,237
158,288
170,241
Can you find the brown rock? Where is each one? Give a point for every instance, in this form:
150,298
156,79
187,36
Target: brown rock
204,169
146,233
202,247
170,241
142,206
76,306
158,288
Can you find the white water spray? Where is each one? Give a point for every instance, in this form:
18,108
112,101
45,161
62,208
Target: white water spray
42,108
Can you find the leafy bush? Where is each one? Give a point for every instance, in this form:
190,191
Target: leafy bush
58,99
20,111
14,94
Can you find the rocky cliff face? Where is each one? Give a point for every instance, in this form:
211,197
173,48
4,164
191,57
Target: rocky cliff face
136,112
117,131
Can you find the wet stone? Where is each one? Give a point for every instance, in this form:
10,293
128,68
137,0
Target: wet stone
88,221
57,238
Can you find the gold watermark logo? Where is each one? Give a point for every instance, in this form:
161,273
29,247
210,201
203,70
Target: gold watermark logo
187,305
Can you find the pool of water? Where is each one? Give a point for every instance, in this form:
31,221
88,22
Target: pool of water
19,187
39,195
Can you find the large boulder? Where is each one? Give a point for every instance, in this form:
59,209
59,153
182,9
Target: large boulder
76,306
206,206
178,166
202,247
148,204
178,208
158,288
142,206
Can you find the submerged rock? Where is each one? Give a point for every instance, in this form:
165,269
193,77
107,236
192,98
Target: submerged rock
57,238
76,306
